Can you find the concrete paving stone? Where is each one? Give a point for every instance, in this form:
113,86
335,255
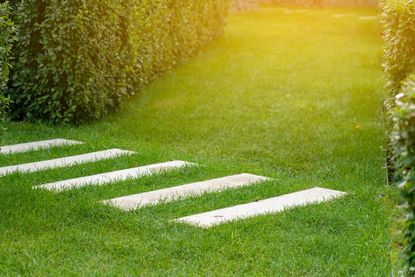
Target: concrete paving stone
36,145
114,176
64,162
194,189
267,206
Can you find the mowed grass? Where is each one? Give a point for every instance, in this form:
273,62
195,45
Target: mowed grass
293,96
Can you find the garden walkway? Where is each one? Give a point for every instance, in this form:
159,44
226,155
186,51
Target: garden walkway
131,202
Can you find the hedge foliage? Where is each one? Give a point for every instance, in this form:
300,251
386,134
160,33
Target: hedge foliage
6,41
79,60
403,138
399,64
399,59
399,34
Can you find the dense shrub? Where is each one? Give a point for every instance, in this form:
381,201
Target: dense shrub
78,60
403,138
399,63
6,42
399,59
399,34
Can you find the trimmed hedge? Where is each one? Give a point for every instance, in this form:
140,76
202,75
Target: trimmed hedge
399,64
6,42
399,35
399,59
403,138
79,60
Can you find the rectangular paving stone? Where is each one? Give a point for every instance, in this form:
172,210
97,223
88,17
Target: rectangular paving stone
114,176
63,162
267,206
194,189
36,145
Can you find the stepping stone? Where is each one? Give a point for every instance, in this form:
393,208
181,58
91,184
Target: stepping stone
114,176
63,162
37,145
267,206
194,189
370,17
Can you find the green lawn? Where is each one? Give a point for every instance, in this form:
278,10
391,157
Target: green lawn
296,97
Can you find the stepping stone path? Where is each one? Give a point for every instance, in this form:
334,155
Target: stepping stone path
114,176
271,205
195,189
131,202
38,145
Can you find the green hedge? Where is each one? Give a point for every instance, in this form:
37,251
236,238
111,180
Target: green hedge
399,63
403,138
6,42
399,35
399,59
79,60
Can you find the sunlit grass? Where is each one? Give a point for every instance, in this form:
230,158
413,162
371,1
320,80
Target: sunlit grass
294,96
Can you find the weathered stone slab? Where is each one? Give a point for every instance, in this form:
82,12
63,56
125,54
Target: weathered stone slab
267,206
36,145
194,189
114,176
63,162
